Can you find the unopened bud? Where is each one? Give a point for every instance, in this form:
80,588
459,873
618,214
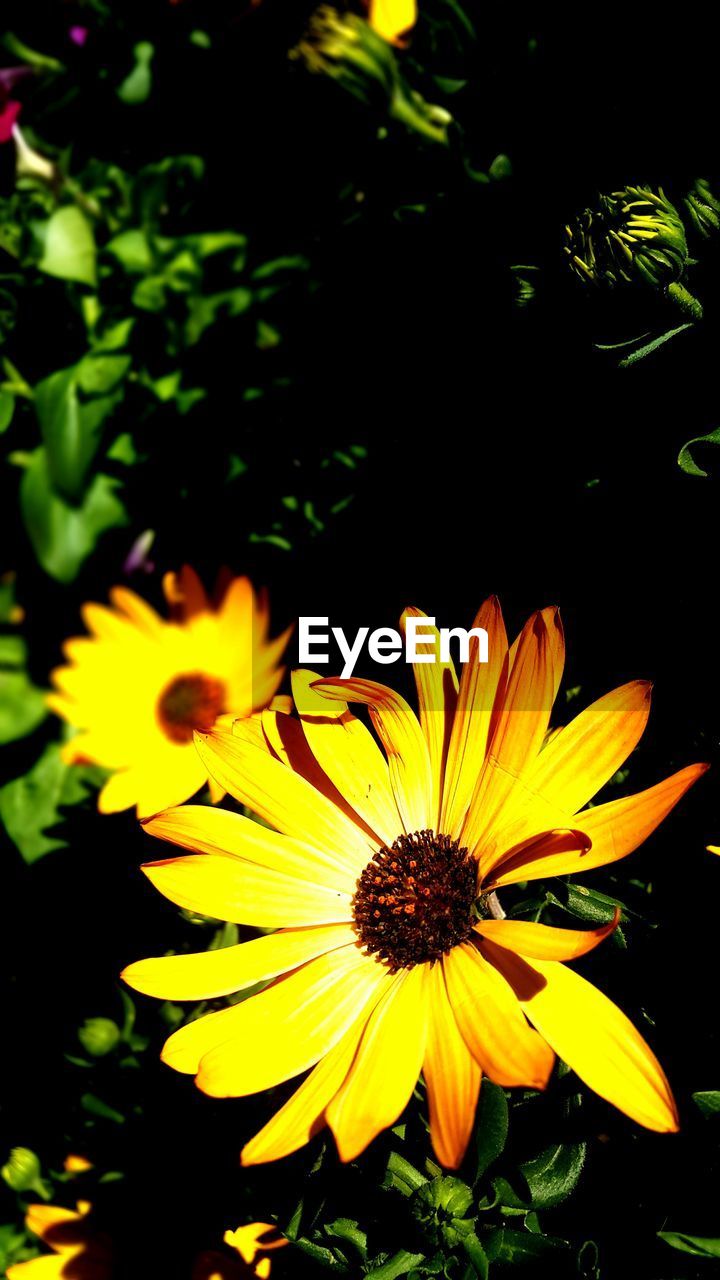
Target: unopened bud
22,1170
99,1036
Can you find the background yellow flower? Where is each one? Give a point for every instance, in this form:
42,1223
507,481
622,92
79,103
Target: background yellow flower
139,685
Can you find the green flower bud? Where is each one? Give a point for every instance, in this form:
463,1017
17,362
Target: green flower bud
442,1206
345,48
703,209
99,1036
22,1170
635,236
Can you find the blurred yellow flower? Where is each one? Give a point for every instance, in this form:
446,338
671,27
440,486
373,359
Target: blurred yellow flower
78,1252
393,955
247,1242
140,685
76,1164
392,18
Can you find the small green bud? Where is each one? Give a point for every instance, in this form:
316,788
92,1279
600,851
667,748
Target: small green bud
22,1170
444,1208
344,47
99,1036
635,236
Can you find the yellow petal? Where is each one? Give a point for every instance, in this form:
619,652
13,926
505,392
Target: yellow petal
137,609
594,1037
209,974
249,1240
348,755
452,1077
282,797
491,1021
518,732
613,830
227,888
285,1029
476,697
392,18
584,755
400,733
303,1115
50,1267
712,848
386,1065
204,830
437,687
543,941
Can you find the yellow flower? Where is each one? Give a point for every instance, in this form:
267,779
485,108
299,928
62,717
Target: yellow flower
382,879
139,686
248,1242
78,1252
392,19
76,1164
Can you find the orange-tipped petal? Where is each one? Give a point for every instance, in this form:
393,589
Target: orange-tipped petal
400,733
452,1077
387,1064
471,726
437,686
544,942
593,1036
581,757
613,830
492,1023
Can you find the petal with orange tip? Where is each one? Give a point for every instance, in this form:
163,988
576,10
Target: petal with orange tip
452,1077
613,830
476,699
437,686
593,1036
544,942
582,756
386,1066
400,733
492,1023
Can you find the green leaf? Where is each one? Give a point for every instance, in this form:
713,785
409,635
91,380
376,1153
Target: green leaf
30,806
132,250
63,535
7,409
491,1126
649,347
71,425
553,1175
399,1265
699,1246
686,462
708,1101
22,705
519,1247
68,246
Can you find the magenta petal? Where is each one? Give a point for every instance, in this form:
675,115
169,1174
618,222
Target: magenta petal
7,120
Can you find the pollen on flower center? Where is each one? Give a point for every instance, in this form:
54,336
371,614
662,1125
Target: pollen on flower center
414,900
188,703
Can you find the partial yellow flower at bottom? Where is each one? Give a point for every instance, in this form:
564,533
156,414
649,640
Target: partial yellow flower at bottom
248,1242
78,1252
140,685
392,19
384,878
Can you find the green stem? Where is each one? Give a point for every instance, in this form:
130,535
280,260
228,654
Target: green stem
685,300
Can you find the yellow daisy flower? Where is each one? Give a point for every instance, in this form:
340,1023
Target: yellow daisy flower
78,1252
392,956
140,685
392,19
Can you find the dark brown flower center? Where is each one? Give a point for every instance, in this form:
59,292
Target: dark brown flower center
188,703
414,901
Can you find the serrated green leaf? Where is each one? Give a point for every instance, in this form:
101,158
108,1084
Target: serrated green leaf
400,1264
68,246
22,706
553,1175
